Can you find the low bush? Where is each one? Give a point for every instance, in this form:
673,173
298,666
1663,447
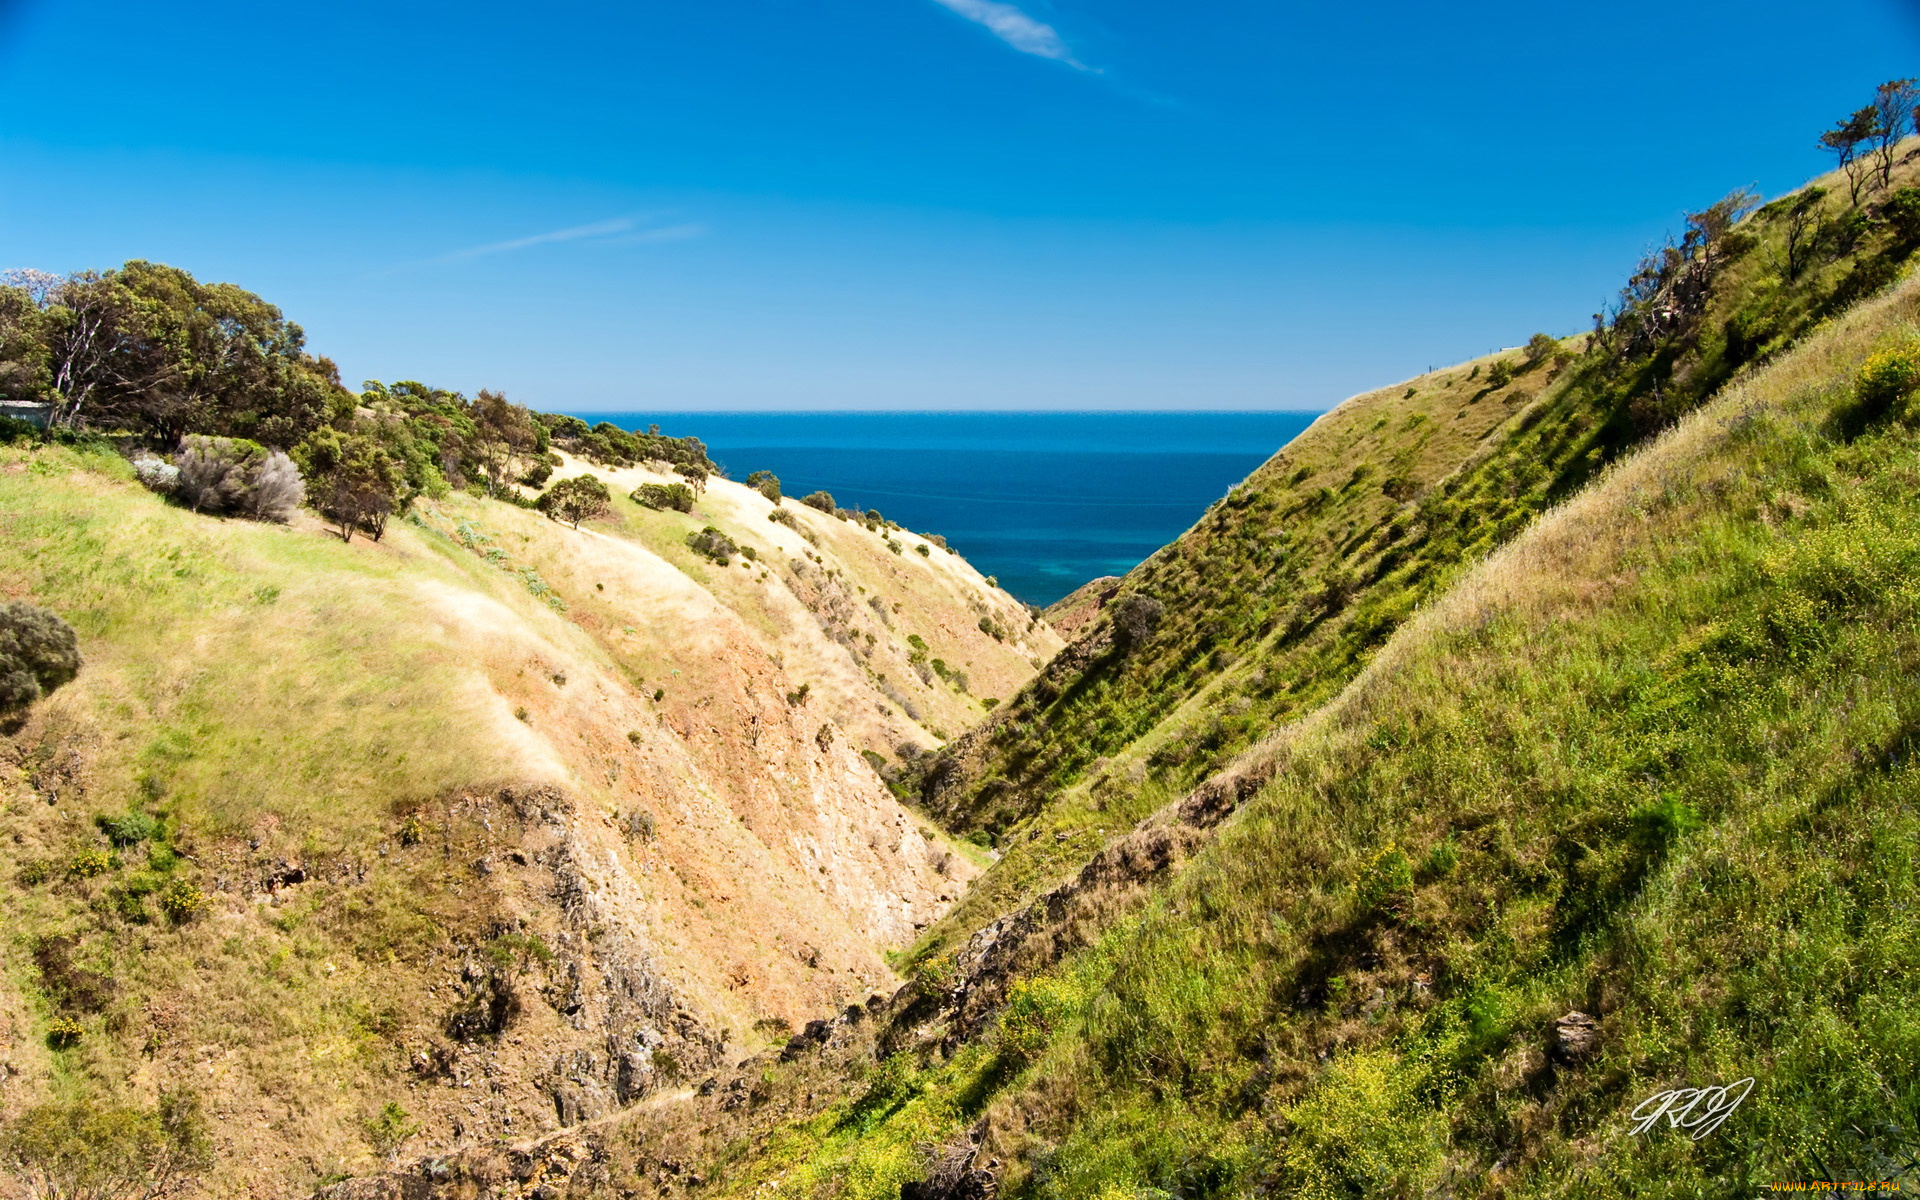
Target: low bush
820,500
784,516
664,497
156,474
182,901
129,828
90,861
714,545
236,477
1887,378
38,653
766,483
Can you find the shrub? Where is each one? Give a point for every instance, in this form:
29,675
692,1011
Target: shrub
83,1148
213,471
64,1032
390,1130
1135,617
1540,347
642,825
182,901
413,829
1036,1009
129,828
820,500
784,516
1888,378
924,550
90,861
1500,374
277,489
766,483
677,497
1387,879
1363,1129
713,544
538,474
155,473
38,653
236,477
578,499
357,483
1901,211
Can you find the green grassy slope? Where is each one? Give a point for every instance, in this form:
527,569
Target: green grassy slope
1653,763
1289,585
313,809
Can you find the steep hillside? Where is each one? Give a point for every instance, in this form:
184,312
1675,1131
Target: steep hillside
1629,808
1283,592
499,821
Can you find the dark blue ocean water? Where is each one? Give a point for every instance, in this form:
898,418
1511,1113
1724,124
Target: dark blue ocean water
1043,501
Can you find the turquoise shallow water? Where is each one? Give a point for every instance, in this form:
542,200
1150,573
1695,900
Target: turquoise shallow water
1043,501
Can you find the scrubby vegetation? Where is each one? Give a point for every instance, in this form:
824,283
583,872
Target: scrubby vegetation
245,422
714,544
38,653
677,497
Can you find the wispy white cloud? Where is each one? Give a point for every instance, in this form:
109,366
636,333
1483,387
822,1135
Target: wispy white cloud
621,231
1016,29
663,233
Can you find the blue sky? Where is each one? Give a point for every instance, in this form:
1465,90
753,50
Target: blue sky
911,203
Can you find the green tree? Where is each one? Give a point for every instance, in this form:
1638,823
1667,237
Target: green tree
577,499
820,500
148,347
1894,104
352,481
38,653
23,332
1844,141
695,474
504,432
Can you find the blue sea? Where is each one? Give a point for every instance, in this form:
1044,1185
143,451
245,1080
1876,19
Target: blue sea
1043,501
